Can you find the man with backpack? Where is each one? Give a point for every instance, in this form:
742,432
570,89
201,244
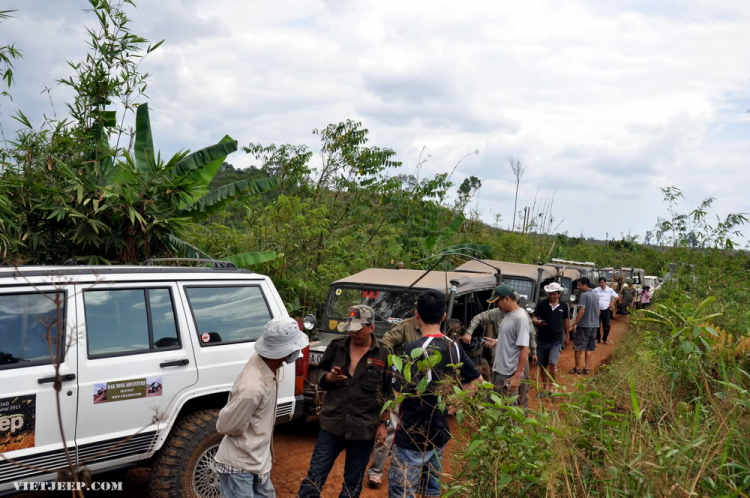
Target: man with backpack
423,430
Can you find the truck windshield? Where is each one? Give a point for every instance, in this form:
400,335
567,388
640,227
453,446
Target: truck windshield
390,306
522,287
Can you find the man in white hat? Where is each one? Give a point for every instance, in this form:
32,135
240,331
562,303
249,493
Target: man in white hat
244,459
552,319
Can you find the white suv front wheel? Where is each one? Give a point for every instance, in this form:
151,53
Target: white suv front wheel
184,466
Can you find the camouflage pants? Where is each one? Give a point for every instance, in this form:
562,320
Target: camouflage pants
522,391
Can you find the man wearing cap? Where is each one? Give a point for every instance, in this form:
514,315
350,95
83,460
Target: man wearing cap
552,318
510,371
244,458
585,327
607,296
627,296
494,317
357,383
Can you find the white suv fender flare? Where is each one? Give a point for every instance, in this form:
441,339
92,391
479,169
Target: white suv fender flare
165,427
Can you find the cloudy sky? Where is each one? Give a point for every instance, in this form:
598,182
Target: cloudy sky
604,102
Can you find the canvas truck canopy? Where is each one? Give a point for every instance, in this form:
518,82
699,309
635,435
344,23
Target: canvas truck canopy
402,279
509,269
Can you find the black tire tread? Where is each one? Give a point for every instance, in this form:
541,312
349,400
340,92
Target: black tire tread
173,455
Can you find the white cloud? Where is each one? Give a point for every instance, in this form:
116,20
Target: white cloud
607,100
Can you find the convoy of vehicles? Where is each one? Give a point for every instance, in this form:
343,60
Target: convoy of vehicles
152,351
148,356
527,281
393,295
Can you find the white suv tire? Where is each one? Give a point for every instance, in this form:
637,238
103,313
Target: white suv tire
184,465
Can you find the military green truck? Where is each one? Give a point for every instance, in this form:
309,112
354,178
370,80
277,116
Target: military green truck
393,295
527,281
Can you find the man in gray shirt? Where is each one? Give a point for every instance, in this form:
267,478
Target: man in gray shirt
510,372
585,326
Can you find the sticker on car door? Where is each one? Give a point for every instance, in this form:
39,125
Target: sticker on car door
17,423
121,390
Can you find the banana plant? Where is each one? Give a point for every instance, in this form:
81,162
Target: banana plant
100,210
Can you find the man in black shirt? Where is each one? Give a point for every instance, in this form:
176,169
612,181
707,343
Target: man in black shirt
423,429
552,319
357,383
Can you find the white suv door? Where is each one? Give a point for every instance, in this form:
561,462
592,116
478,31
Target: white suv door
229,317
135,357
29,428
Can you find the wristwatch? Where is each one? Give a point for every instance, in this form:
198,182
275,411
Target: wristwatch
386,423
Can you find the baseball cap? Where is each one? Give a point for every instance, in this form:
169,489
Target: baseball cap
359,316
501,291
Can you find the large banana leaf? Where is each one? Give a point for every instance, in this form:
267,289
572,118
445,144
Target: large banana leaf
246,259
216,200
206,156
203,176
184,250
144,143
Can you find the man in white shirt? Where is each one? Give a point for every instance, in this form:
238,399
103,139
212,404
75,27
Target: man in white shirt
244,458
606,296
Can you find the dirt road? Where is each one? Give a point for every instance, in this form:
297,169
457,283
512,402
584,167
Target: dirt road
293,446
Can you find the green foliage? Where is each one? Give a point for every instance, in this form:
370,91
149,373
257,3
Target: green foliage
504,451
76,193
637,430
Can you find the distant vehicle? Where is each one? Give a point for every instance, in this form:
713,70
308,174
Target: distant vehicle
677,270
392,294
528,281
586,268
652,281
617,276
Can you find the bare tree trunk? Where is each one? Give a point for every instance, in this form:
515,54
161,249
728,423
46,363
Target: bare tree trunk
518,171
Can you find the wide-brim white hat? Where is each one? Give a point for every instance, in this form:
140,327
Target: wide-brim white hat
553,287
281,337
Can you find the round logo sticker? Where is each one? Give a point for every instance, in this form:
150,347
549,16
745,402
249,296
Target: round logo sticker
206,337
338,292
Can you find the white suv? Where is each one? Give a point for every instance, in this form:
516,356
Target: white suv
151,353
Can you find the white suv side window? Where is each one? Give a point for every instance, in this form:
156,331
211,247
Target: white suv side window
26,322
228,314
129,321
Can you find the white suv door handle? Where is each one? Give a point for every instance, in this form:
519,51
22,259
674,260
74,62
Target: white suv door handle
175,363
63,378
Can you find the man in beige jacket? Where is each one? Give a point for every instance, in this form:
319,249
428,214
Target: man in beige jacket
244,459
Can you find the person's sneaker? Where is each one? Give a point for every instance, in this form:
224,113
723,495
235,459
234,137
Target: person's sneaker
606,342
374,480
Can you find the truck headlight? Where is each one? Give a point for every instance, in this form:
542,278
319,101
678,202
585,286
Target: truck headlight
530,308
309,322
572,299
